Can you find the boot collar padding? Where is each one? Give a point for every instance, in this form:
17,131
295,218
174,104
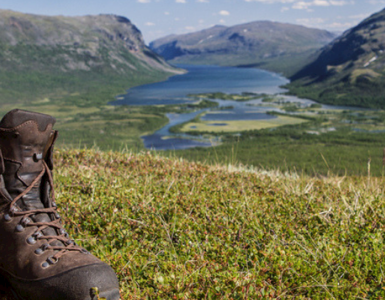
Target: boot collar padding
16,117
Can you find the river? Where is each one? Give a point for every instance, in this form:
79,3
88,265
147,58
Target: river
205,79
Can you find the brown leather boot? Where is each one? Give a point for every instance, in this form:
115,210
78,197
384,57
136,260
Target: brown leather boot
38,259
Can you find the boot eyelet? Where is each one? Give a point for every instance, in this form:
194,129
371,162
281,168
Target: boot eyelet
57,216
45,247
39,251
12,210
31,240
25,221
37,157
52,260
19,228
54,204
45,265
7,217
37,234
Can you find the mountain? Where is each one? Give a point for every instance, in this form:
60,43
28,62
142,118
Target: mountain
52,52
266,44
350,70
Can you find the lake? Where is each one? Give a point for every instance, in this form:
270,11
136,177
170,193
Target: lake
203,79
206,79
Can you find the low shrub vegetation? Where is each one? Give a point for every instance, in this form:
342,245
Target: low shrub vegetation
173,229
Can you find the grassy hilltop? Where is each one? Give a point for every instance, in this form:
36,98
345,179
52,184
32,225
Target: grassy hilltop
171,232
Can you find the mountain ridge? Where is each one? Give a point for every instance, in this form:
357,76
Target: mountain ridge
259,43
84,34
73,55
350,70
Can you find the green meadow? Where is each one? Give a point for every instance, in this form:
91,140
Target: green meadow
171,231
299,213
238,126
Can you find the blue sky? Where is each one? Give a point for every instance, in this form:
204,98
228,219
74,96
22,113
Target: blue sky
158,18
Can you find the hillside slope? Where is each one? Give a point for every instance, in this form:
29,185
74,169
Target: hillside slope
170,230
261,43
44,54
350,70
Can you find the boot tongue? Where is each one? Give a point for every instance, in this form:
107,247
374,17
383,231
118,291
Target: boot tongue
24,140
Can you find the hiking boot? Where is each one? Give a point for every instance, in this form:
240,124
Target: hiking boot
38,259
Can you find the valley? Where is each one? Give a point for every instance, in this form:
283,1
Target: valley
259,177
78,78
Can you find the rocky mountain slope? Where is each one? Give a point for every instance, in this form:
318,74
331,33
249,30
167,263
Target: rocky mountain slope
83,43
350,70
89,47
261,43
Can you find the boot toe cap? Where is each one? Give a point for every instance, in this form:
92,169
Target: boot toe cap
77,284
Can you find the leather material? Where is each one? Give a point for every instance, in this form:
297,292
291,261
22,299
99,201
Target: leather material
63,287
19,259
18,116
26,143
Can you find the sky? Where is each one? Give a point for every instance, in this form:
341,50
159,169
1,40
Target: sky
159,18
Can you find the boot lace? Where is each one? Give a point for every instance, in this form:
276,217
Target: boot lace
66,244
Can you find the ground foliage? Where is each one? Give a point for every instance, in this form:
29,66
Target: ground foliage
178,230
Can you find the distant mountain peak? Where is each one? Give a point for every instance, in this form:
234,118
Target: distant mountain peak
244,44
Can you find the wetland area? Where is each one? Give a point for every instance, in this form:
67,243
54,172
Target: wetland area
224,115
219,101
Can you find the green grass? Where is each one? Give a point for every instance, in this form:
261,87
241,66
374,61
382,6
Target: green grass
170,231
237,126
295,149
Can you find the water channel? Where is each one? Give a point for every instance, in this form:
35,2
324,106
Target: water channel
206,79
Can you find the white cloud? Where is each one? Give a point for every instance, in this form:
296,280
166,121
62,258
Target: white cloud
203,1
301,4
149,24
285,8
323,23
339,26
272,1
222,21
143,1
321,3
308,4
180,1
190,28
311,21
359,17
224,13
339,3
375,2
